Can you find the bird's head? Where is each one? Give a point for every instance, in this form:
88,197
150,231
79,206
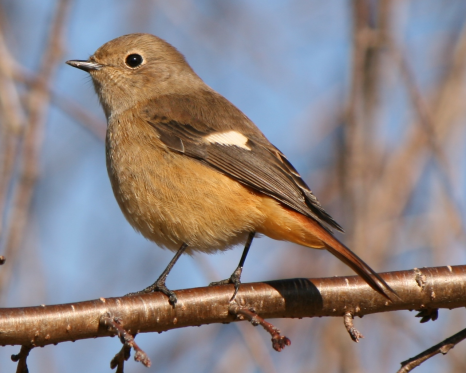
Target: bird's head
135,68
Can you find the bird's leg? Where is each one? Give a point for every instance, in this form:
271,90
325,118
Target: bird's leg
159,285
235,277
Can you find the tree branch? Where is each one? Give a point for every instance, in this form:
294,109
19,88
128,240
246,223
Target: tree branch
442,347
442,287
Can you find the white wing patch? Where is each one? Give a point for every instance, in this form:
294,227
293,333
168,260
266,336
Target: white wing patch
230,138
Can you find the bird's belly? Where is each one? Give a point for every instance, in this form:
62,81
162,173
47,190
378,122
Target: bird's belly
173,199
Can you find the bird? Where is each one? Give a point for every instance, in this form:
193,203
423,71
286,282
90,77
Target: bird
191,172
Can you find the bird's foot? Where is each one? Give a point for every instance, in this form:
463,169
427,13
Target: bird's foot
158,285
234,279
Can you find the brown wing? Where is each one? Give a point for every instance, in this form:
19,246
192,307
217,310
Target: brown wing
257,164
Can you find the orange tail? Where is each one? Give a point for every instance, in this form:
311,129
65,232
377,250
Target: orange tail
285,224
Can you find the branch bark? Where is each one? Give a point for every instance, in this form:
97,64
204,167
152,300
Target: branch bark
427,288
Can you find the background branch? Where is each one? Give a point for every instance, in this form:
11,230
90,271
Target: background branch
440,348
32,135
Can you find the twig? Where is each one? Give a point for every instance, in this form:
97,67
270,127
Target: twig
279,342
128,342
428,314
257,347
21,359
442,347
119,360
352,331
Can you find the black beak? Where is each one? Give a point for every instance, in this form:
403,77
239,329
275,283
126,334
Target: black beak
87,66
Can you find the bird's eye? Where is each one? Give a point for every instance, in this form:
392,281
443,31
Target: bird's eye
134,60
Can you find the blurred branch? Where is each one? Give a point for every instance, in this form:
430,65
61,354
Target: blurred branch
441,287
11,125
427,123
36,106
440,348
360,158
390,195
94,125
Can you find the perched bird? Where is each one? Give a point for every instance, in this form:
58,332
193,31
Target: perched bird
190,171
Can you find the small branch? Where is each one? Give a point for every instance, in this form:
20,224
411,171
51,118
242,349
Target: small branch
279,342
128,342
119,360
352,331
21,359
443,348
257,347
